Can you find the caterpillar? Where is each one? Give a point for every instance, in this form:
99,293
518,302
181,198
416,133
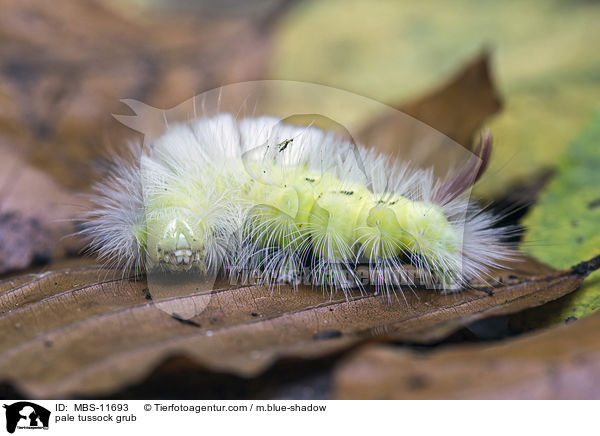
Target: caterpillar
261,195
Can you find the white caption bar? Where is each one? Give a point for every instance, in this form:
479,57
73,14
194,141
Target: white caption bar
279,418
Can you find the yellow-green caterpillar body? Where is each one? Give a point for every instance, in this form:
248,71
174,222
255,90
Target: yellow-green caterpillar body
277,200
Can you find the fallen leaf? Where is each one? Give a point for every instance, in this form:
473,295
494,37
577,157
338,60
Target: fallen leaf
457,109
557,363
35,215
90,332
562,227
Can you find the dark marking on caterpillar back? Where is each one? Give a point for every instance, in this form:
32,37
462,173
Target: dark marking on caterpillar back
309,180
283,145
347,192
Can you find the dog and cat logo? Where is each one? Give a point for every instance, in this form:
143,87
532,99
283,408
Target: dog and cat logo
26,415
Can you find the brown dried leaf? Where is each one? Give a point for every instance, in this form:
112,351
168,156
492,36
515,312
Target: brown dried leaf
35,214
457,109
88,332
558,363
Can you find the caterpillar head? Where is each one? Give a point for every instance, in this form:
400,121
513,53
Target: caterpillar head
175,243
181,240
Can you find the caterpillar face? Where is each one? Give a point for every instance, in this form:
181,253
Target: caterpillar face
173,243
260,195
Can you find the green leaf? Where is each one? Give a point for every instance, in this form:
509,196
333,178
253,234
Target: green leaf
564,226
547,68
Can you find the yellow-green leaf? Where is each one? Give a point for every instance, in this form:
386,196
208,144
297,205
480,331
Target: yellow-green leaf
564,226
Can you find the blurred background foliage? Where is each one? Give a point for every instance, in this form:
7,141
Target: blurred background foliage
563,227
545,57
544,53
